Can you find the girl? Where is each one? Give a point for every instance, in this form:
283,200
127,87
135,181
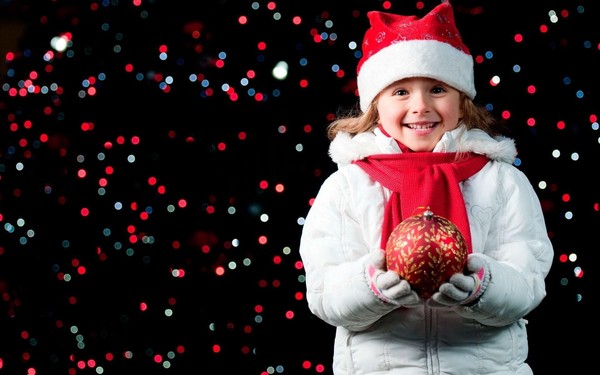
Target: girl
419,140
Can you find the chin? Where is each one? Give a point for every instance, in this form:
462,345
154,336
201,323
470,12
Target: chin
421,148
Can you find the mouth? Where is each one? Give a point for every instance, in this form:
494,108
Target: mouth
421,126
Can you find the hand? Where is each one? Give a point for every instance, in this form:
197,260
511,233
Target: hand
387,285
463,289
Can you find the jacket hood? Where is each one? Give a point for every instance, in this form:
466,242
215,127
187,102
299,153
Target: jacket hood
344,149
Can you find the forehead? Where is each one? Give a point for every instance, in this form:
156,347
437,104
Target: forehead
419,81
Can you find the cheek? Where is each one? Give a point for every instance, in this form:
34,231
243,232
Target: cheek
390,123
452,115
391,116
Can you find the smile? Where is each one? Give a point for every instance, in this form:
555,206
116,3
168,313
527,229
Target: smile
421,126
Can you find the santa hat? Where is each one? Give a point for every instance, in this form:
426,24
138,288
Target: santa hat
397,47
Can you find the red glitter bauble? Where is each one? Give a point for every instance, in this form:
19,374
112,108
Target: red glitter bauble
426,249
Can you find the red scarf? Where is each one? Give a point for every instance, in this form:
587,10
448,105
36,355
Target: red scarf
424,179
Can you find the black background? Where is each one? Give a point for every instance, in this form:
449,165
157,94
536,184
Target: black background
72,284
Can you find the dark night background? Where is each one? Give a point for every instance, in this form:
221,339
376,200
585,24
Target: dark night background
151,204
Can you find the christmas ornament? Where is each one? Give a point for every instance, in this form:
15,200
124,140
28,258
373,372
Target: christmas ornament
426,249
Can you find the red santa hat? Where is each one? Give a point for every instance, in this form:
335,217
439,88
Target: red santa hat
397,47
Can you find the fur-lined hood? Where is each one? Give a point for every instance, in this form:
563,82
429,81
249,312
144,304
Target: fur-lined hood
344,149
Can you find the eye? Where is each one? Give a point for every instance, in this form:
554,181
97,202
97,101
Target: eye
438,89
400,92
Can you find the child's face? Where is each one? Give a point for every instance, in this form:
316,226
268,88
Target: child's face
418,111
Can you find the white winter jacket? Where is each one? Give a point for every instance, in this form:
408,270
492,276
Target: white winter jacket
372,337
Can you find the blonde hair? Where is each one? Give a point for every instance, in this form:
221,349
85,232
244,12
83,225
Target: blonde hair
354,121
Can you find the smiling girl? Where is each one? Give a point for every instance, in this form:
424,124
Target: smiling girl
419,140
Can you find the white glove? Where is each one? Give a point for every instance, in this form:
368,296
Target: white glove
388,286
463,289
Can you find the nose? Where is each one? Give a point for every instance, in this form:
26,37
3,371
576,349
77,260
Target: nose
420,102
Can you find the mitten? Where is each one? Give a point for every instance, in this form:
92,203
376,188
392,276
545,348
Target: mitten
463,288
388,286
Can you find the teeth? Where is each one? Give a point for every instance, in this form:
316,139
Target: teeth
421,127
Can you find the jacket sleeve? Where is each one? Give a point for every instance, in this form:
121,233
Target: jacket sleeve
334,252
518,256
